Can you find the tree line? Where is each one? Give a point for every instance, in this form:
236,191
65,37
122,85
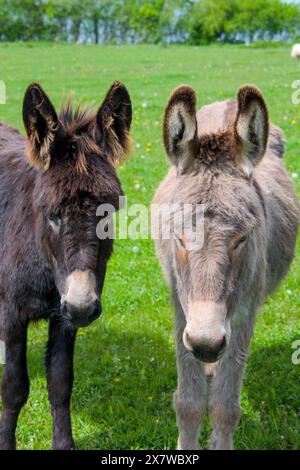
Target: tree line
148,21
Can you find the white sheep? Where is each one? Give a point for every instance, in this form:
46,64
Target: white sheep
295,54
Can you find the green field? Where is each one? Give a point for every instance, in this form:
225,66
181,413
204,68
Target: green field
125,363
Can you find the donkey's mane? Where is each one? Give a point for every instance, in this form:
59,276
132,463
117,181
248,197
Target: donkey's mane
74,118
77,123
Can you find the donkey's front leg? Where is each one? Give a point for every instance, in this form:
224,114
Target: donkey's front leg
190,396
15,384
59,363
224,403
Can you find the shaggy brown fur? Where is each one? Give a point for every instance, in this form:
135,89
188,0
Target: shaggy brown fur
52,263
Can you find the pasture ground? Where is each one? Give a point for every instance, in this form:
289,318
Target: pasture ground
125,364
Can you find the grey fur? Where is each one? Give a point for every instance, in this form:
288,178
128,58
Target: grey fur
259,202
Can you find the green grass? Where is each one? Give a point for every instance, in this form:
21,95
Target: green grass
124,365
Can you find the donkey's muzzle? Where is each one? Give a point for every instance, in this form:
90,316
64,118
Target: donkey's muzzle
210,354
205,334
80,317
204,350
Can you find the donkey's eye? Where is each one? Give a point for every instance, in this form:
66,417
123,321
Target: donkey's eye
54,221
240,243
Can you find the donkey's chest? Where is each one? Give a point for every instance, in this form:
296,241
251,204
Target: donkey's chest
33,291
36,308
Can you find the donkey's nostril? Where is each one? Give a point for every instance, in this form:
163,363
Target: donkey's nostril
223,343
94,310
218,345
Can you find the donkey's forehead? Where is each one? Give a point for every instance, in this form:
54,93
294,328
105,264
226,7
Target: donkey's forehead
216,118
223,195
63,183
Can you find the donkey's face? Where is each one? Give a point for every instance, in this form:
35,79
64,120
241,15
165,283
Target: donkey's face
74,155
214,161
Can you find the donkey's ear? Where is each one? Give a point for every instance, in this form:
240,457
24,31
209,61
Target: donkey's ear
114,120
41,123
180,127
252,125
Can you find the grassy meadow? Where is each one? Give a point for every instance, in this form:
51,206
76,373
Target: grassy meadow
125,363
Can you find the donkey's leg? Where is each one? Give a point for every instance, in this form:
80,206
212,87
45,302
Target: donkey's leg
15,384
59,363
224,403
189,402
190,396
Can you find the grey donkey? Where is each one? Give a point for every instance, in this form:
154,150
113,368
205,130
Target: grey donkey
228,157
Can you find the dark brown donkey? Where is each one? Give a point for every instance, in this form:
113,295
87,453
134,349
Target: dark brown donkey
52,263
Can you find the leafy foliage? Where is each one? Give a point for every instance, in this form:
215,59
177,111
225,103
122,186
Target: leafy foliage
148,21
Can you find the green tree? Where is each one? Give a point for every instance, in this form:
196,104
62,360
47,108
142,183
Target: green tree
151,21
